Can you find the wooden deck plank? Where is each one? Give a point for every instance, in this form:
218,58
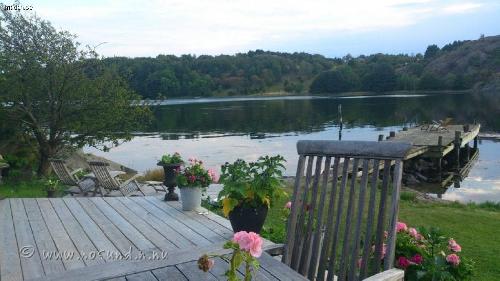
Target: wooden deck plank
120,241
76,233
222,230
31,264
187,232
10,263
62,240
96,235
190,222
176,238
192,272
43,240
123,225
143,276
149,232
170,273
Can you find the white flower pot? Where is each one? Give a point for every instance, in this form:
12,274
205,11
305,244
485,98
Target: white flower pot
190,198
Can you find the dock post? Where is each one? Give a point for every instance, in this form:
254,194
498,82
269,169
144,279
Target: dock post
475,142
440,158
380,137
467,152
457,144
392,134
405,128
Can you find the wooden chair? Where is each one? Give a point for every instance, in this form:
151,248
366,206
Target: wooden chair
337,225
77,186
111,186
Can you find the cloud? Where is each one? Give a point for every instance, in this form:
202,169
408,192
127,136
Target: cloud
461,8
151,27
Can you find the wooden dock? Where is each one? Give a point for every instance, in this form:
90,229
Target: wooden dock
438,142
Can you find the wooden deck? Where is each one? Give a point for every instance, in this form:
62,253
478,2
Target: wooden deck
42,236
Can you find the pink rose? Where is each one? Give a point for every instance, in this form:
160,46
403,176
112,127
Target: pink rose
401,226
453,259
453,246
250,242
288,205
413,232
417,259
402,262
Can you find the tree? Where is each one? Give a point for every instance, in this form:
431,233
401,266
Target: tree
58,92
342,79
380,78
431,51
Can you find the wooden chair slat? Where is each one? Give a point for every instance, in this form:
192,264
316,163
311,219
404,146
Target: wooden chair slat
329,229
306,253
391,246
379,234
369,221
347,239
319,229
338,220
302,212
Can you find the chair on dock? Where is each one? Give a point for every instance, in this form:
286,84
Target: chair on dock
112,186
340,227
76,186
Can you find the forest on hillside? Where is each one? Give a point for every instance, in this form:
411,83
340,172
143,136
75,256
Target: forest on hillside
459,65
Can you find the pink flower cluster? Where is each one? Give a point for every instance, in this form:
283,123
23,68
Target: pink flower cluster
250,242
193,161
404,262
213,175
402,227
453,246
453,259
288,205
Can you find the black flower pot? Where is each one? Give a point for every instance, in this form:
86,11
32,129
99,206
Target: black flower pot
248,219
51,193
170,180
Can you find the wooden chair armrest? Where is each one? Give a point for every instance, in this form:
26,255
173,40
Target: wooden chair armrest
388,275
130,180
275,249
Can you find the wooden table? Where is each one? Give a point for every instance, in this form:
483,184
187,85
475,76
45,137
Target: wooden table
178,265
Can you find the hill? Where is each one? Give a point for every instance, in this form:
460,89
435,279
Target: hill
461,65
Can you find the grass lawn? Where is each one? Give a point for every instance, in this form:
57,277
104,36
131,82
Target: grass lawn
24,189
475,228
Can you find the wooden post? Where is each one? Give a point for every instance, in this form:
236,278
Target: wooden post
440,159
457,144
475,142
392,134
467,152
405,128
466,128
380,137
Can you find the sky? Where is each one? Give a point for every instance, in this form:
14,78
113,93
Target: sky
331,28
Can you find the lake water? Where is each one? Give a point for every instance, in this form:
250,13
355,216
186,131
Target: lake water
221,130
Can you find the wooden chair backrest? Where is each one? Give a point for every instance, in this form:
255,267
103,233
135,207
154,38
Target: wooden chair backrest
62,172
104,178
334,220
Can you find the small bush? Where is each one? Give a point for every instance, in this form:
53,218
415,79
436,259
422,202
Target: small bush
408,196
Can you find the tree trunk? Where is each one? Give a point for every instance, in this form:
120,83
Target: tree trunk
46,153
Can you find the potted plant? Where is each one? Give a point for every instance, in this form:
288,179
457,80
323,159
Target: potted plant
193,180
51,186
170,164
249,189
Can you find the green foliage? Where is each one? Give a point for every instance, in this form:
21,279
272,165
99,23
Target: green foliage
51,184
195,175
380,77
341,79
58,93
252,184
431,51
171,159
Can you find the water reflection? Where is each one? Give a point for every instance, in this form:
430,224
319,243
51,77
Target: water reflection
220,131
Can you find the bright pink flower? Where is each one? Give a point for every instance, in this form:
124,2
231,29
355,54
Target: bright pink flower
288,205
213,174
453,246
192,178
417,259
250,242
413,232
401,226
402,262
453,259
